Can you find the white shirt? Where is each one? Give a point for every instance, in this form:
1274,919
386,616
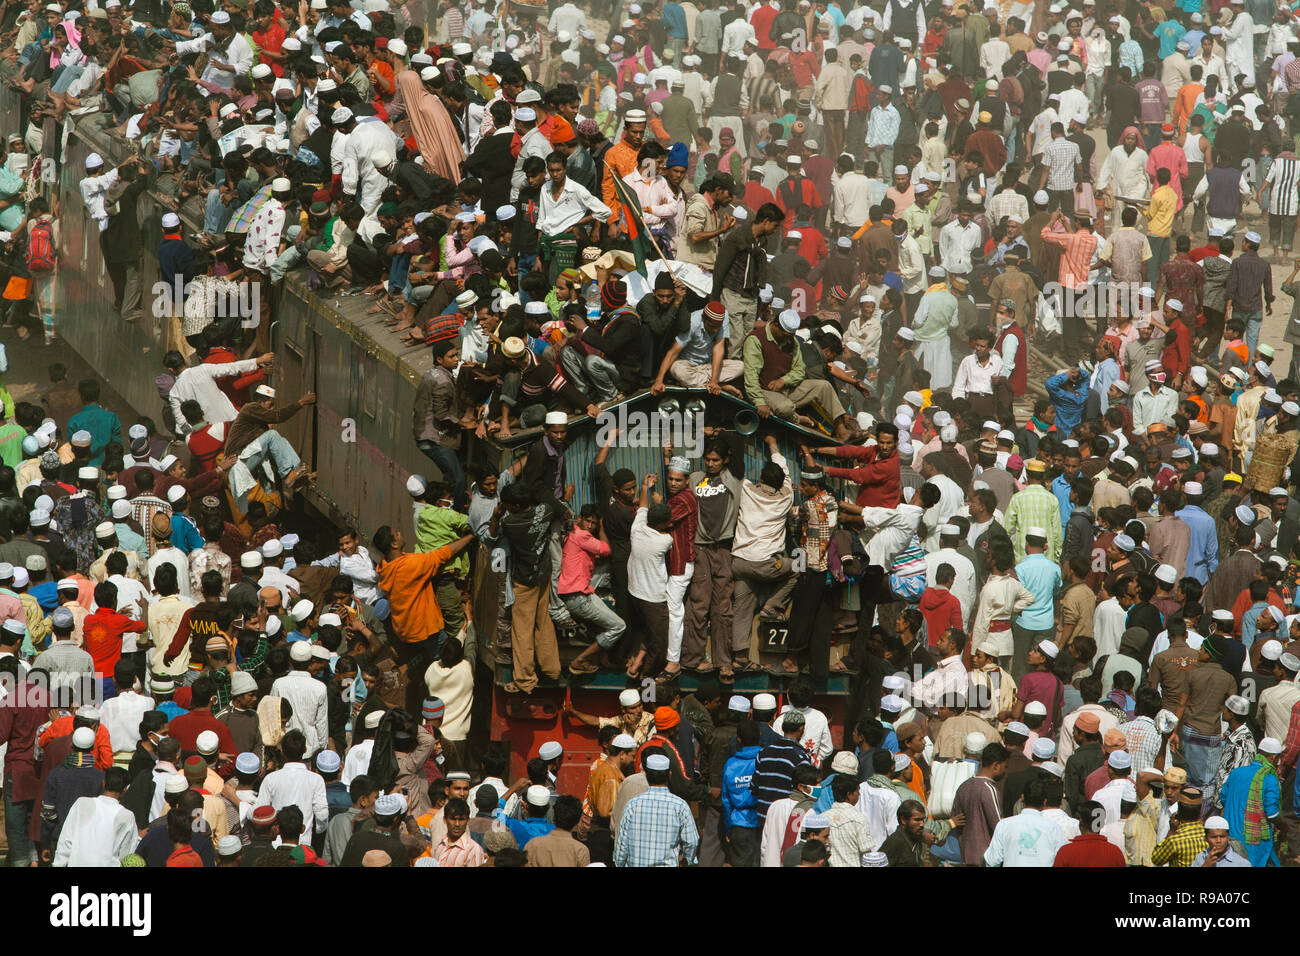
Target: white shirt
957,243
360,567
880,807
816,732
951,500
357,762
121,715
1109,796
1108,625
574,203
98,831
177,558
893,528
92,194
972,377
761,517
199,383
948,679
1027,839
647,574
360,178
963,585
237,54
851,200
1065,745
1068,826
296,785
307,696
734,35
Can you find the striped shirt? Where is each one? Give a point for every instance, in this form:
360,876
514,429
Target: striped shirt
656,826
1284,178
1077,249
463,852
1008,203
1035,506
245,214
1142,741
453,22
774,772
143,508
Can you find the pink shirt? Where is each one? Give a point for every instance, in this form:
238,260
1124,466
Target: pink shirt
580,553
1171,157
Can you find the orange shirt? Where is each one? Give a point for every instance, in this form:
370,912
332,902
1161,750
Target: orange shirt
1185,103
407,581
62,727
620,160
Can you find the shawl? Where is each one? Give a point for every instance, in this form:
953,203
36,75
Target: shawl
431,125
1257,828
268,721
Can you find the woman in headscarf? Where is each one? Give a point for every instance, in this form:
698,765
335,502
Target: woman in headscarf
435,134
1124,174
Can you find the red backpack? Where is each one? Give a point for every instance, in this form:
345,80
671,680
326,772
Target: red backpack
41,256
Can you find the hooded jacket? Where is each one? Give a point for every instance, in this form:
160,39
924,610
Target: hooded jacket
739,803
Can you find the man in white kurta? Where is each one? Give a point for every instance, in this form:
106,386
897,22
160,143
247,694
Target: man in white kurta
1124,174
1239,48
98,831
936,313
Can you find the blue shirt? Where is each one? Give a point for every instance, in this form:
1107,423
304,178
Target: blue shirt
1043,577
1106,375
1203,552
1061,488
185,535
172,709
1250,621
1069,401
46,594
1169,33
1236,790
674,18
103,425
128,540
525,830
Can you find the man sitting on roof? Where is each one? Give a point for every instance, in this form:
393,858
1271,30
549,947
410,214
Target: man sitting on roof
775,381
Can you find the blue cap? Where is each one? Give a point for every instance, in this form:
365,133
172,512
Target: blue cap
678,155
248,763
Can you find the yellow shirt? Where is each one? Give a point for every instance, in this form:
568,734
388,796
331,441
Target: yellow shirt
1160,212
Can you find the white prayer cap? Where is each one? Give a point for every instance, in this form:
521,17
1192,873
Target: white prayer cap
906,334
893,682
629,698
1291,408
556,418
1217,823
975,743
764,702
340,115
302,610
525,114
1238,705
175,493
219,16
272,548
1271,651
790,320
738,704
1054,768
83,738
1036,708
623,742
300,651
1270,745
1016,727
657,762
902,171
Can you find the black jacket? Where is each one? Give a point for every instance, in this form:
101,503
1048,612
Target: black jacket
492,164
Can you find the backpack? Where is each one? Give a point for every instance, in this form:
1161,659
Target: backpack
41,256
442,327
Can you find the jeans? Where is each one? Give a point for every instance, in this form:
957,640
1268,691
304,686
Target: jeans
453,472
397,272
603,625
743,846
271,446
1202,755
18,819
1253,320
285,262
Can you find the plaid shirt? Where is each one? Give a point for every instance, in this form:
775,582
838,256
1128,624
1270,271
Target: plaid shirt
143,508
221,677
1181,848
1077,249
1142,741
656,825
1008,203
1060,156
818,515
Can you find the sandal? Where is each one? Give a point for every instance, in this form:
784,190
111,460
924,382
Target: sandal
725,676
582,669
745,666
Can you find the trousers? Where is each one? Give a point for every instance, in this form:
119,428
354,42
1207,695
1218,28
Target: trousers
678,584
709,607
532,635
741,312
776,575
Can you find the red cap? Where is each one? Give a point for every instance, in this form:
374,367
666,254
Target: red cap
381,43
264,814
715,310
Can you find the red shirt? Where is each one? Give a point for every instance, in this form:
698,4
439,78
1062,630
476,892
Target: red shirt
761,20
205,448
185,856
273,40
101,635
686,517
813,245
235,387
1204,252
880,482
941,610
1177,356
804,297
187,727
756,194
1089,849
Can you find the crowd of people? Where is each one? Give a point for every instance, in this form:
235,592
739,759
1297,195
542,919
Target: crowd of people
1063,593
